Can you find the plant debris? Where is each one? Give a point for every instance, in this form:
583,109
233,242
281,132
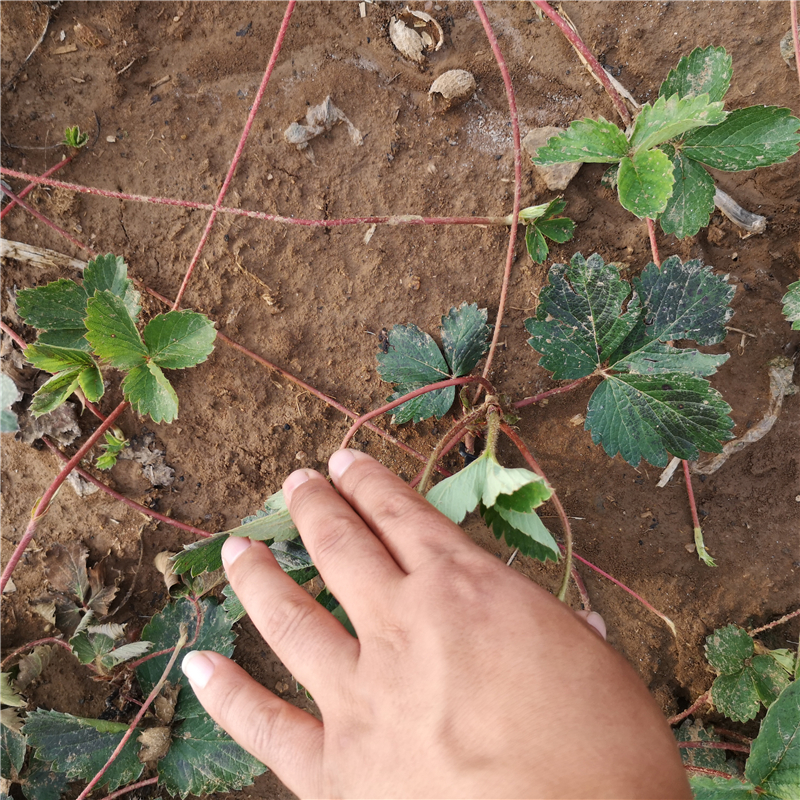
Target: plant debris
414,33
320,119
60,425
143,451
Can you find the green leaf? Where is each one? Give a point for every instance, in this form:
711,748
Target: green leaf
465,337
42,782
12,752
71,368
9,394
536,245
650,416
232,605
672,116
147,389
656,358
110,273
745,680
791,305
703,757
587,140
55,391
542,221
179,339
560,229
579,320
645,183
524,485
459,494
111,331
774,763
535,540
58,306
55,359
119,655
273,524
749,138
692,201
79,747
200,556
203,759
9,696
294,560
707,787
703,71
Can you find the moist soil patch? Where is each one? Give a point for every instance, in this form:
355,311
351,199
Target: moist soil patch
164,91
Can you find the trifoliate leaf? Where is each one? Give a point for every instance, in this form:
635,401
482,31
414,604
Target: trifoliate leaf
530,537
541,221
650,416
746,680
464,337
712,787
203,759
774,762
672,116
12,752
58,308
110,273
703,71
587,140
111,331
791,305
645,183
692,202
179,339
579,320
147,389
749,138
79,747
42,782
9,394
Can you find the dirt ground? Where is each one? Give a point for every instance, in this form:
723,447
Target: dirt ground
310,299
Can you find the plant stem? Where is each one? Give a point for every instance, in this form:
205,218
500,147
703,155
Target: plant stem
739,748
651,232
131,788
774,624
128,502
447,441
558,390
701,701
31,186
712,773
410,396
389,219
581,586
562,515
150,698
593,63
132,665
512,239
703,554
43,504
239,148
30,645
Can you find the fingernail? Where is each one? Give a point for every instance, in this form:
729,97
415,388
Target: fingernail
292,482
198,668
234,546
340,461
597,622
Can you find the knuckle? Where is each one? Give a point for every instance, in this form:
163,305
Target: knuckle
287,619
330,537
266,718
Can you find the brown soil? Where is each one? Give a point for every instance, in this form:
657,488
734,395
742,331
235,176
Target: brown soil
309,299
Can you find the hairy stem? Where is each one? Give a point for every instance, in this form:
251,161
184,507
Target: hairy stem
774,624
651,232
150,698
582,591
702,553
131,788
562,515
410,396
712,773
550,392
704,699
43,504
31,186
739,748
31,645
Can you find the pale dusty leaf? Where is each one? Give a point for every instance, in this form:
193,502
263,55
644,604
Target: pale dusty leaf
155,744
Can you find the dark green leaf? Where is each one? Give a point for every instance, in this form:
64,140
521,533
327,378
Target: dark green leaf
534,541
704,757
692,202
774,763
163,631
560,229
110,272
431,404
587,140
55,359
12,752
579,320
58,306
791,305
707,787
645,183
73,338
42,782
91,382
703,71
55,391
294,560
83,648
536,245
179,339
200,556
657,358
147,389
112,332
672,116
651,416
71,367
80,747
465,336
727,649
232,605
203,759
749,138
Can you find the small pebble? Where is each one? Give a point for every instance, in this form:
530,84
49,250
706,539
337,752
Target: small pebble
300,455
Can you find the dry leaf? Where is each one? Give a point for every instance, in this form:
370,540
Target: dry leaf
47,611
414,32
60,425
163,564
10,719
101,591
31,666
65,567
155,744
164,704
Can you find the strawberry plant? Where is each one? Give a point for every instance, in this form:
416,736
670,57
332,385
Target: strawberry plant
543,222
73,137
791,305
659,162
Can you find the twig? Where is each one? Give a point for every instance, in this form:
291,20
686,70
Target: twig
237,155
410,396
774,624
703,554
562,515
131,788
512,239
31,186
150,698
581,586
559,390
702,700
31,645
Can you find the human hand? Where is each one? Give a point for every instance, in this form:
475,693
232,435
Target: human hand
467,679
